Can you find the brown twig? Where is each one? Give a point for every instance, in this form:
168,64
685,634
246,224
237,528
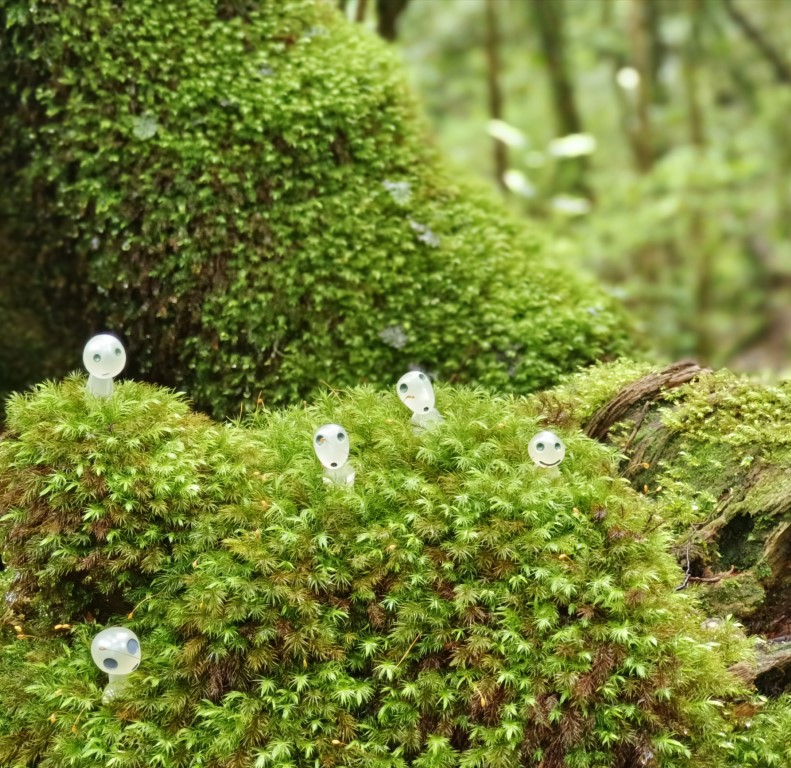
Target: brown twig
687,575
715,579
408,650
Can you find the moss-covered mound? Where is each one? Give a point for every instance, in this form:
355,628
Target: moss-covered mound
250,195
456,607
714,449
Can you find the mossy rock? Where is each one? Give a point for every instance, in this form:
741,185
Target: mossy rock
249,193
457,607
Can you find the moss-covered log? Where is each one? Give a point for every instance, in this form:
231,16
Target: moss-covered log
715,450
249,194
457,607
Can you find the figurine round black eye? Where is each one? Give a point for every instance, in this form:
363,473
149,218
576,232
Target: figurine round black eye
547,450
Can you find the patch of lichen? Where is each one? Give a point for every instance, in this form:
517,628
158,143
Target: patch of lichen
457,606
251,194
740,595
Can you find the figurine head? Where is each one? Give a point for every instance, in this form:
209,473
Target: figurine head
546,449
416,393
331,444
104,356
116,651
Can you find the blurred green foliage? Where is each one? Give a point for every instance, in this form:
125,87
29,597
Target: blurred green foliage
685,203
249,196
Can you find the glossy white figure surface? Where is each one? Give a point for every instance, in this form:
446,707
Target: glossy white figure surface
417,394
104,357
547,450
331,443
116,651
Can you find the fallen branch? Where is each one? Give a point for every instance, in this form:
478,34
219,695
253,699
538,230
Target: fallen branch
714,579
648,389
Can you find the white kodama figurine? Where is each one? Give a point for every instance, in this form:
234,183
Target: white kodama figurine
331,443
417,394
116,651
547,450
104,357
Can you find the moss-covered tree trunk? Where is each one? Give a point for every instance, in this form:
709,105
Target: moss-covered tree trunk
715,448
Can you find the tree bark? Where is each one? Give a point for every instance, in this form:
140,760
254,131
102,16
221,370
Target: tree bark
494,88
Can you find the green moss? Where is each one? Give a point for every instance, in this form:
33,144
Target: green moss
251,194
765,742
582,395
114,491
457,607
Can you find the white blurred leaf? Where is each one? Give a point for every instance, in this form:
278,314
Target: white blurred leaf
573,145
517,182
508,134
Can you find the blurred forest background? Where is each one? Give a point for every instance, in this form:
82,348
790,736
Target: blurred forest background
649,137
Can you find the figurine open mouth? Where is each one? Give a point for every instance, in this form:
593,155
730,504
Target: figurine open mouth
545,464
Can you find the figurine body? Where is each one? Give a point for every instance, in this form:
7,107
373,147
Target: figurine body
547,451
116,651
417,394
331,444
104,358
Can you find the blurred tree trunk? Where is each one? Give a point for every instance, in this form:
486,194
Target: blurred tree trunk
494,88
549,18
388,12
362,7
701,248
658,50
342,5
692,56
640,47
780,67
